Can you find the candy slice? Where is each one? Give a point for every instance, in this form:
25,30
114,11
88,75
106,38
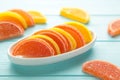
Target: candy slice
57,37
38,17
75,34
71,40
83,29
32,48
75,14
8,15
102,69
66,41
49,40
114,28
12,21
9,30
28,18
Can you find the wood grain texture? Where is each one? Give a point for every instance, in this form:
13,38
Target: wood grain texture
48,78
99,7
102,12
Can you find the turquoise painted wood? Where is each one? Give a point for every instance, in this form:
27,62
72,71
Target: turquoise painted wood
49,78
102,12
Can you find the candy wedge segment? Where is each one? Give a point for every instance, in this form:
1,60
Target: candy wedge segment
33,48
57,37
9,30
8,15
68,36
28,18
49,40
75,34
114,27
75,14
38,17
102,69
66,41
82,29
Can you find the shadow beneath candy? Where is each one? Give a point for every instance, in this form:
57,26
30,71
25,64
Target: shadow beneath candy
52,69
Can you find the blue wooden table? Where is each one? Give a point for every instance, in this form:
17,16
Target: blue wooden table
102,12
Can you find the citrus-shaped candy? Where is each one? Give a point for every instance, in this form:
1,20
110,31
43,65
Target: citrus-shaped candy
75,14
8,15
49,40
71,40
83,29
12,21
28,18
57,37
75,34
102,69
33,48
9,30
114,27
38,17
66,41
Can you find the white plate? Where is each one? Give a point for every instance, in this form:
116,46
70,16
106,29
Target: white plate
51,59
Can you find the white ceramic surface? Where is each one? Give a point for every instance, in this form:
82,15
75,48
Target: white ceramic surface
51,59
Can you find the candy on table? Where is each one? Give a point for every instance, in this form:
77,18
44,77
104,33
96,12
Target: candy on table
114,28
38,17
11,16
27,17
66,42
102,69
11,25
10,30
75,14
17,18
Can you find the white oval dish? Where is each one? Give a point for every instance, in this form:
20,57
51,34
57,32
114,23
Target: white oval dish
51,59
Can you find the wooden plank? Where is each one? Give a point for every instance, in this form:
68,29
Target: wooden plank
106,47
47,7
48,78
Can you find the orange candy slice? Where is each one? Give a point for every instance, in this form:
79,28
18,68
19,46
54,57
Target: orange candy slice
82,29
75,34
66,41
49,40
9,30
28,18
69,37
38,17
8,15
102,69
31,48
75,14
57,37
114,28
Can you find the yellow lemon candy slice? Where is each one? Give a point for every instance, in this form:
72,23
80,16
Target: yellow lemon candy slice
49,39
68,36
11,15
83,29
75,14
38,17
